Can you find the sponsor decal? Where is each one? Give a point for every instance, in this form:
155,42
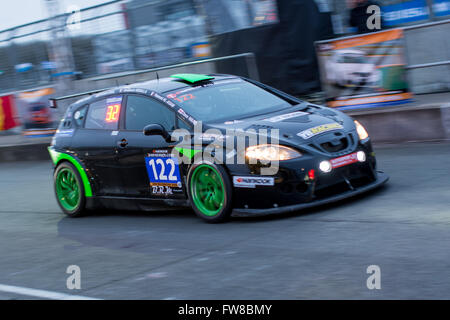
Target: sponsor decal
170,104
212,137
252,182
114,100
163,151
309,133
192,120
183,113
184,97
162,190
355,102
343,161
174,95
163,170
76,115
137,90
287,116
163,99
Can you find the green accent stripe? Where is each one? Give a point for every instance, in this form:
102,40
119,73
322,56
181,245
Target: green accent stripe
190,153
192,77
58,156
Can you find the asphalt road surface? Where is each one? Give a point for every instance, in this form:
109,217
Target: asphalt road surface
322,253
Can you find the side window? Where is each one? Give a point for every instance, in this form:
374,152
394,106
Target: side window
79,115
104,114
183,125
142,111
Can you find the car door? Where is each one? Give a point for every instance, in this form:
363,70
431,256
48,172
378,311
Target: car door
134,148
95,144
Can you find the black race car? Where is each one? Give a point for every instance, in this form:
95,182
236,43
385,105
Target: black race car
219,143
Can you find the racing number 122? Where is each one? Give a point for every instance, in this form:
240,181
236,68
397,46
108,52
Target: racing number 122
162,176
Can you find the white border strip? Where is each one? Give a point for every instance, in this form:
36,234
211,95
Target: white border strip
42,293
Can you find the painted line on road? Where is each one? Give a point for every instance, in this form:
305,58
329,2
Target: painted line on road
42,293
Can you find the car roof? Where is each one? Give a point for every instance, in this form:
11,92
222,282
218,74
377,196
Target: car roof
164,85
161,86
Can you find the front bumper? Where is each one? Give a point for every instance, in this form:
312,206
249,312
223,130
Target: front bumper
380,180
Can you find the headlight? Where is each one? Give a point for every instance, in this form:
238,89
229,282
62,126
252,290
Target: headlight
271,152
362,133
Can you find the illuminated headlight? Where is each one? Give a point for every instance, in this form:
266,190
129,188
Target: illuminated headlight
271,152
361,156
325,166
362,133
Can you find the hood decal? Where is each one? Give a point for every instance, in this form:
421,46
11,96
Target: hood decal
309,133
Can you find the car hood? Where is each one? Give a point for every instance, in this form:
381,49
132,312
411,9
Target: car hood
302,125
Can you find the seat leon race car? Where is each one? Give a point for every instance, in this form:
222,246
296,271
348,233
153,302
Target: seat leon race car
221,144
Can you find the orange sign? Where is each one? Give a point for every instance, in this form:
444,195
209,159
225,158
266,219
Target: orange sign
367,39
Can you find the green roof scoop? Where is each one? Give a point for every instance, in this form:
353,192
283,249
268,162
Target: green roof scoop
191,77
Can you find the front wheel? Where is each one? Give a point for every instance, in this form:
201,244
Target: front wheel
69,190
210,192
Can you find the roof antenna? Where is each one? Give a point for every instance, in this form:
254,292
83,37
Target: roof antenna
157,76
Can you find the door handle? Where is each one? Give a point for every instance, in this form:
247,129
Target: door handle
123,143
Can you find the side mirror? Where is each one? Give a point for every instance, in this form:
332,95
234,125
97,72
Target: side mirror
156,130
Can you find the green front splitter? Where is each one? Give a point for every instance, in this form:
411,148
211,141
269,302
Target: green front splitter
207,190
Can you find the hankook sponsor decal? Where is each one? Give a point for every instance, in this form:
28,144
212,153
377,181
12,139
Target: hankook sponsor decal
252,182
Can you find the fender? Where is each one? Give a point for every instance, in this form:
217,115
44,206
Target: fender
57,157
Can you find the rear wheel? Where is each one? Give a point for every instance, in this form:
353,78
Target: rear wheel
210,192
69,190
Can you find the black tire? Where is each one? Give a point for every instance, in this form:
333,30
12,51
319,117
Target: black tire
224,211
79,209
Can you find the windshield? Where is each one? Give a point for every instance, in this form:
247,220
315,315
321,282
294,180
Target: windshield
229,101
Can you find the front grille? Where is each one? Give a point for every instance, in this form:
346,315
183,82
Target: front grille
337,146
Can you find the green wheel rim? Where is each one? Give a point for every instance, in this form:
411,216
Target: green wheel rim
207,190
67,189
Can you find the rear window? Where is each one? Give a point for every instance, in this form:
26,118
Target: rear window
228,101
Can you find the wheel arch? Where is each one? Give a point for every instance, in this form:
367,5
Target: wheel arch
60,157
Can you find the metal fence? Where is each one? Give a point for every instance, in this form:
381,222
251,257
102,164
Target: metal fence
116,36
36,53
105,39
428,56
